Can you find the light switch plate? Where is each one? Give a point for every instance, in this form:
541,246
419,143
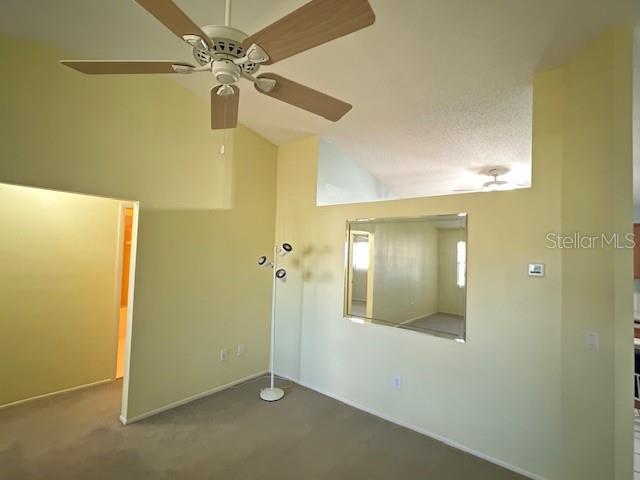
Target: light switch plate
592,341
536,270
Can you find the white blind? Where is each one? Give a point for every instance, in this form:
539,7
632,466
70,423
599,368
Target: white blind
461,259
360,255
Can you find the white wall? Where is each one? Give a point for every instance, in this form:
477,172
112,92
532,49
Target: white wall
341,180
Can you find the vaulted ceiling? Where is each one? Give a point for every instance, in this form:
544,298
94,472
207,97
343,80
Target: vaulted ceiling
439,87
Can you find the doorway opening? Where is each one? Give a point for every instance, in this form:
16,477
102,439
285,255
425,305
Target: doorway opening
360,295
125,246
125,278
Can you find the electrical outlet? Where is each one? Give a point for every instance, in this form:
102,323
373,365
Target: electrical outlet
396,382
240,349
224,353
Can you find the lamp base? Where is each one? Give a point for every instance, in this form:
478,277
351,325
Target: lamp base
271,394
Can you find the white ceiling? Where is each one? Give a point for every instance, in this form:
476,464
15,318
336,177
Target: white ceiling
439,87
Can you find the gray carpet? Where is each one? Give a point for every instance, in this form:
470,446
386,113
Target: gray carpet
229,435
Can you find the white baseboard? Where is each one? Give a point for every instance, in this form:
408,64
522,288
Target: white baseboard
417,318
206,393
57,392
420,430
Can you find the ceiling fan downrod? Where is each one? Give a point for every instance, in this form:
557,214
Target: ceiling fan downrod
227,13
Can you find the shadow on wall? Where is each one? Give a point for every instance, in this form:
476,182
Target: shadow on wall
312,256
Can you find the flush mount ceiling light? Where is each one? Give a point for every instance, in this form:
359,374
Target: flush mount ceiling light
230,54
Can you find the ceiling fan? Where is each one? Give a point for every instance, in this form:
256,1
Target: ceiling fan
230,54
495,184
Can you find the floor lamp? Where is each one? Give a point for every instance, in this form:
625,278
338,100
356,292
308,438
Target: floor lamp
272,393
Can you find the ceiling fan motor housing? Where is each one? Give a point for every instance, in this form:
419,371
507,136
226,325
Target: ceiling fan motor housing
227,44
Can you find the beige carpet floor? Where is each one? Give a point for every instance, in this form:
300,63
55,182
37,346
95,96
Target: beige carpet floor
440,323
229,435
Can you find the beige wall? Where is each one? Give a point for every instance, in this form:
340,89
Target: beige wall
58,318
524,365
204,217
404,289
450,296
597,283
359,285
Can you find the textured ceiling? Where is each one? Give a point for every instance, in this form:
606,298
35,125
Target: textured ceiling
439,87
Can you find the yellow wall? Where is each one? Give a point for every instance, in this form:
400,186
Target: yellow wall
450,296
204,218
525,365
58,296
596,284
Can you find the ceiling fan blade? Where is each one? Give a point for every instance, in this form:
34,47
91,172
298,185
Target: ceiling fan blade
168,13
313,24
93,67
224,109
467,190
306,98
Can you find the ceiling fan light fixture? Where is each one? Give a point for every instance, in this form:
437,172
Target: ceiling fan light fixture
182,68
225,90
225,71
265,84
196,42
256,54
